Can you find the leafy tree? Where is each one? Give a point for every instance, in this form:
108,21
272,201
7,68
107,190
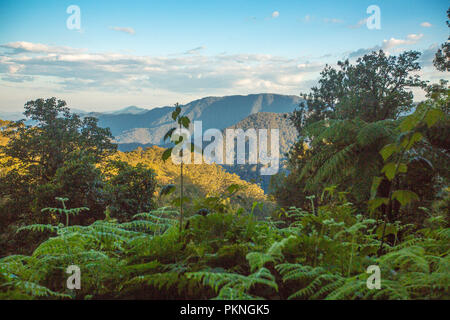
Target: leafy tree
129,189
182,122
398,155
442,59
79,180
347,119
374,89
200,181
54,155
55,134
55,139
345,153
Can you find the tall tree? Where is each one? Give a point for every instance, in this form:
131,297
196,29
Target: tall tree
347,119
39,150
442,58
129,189
376,88
182,122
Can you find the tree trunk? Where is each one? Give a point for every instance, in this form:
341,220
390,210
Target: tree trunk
181,195
181,190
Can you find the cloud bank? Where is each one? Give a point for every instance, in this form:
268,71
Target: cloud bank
189,74
30,70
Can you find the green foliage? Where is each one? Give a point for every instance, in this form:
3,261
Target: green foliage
46,160
442,58
130,189
356,133
408,143
351,129
234,286
374,89
345,152
183,122
321,255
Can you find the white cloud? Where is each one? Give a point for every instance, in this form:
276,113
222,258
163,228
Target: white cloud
183,75
128,30
389,46
410,39
275,14
24,46
414,37
426,24
105,80
13,69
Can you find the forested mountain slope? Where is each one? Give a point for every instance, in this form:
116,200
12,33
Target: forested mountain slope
215,112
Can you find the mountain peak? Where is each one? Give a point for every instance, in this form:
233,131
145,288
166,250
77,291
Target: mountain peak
130,110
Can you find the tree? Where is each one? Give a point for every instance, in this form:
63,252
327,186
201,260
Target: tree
81,182
374,89
36,152
398,155
129,189
347,119
442,59
345,153
56,133
182,121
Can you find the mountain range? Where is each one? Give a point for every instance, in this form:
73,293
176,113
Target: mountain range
134,127
148,127
139,126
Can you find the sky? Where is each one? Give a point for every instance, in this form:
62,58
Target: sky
155,53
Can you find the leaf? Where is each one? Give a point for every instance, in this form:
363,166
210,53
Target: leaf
417,136
389,170
176,113
432,116
377,202
402,168
374,188
409,123
256,204
168,135
180,140
388,150
166,155
185,122
390,229
405,196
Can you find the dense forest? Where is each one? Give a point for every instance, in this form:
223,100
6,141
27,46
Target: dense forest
366,184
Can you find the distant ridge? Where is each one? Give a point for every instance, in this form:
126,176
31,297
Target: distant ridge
128,110
270,120
134,126
149,127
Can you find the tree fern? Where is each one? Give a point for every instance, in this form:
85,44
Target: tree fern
240,284
274,254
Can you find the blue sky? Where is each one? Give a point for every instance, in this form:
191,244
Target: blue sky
152,53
